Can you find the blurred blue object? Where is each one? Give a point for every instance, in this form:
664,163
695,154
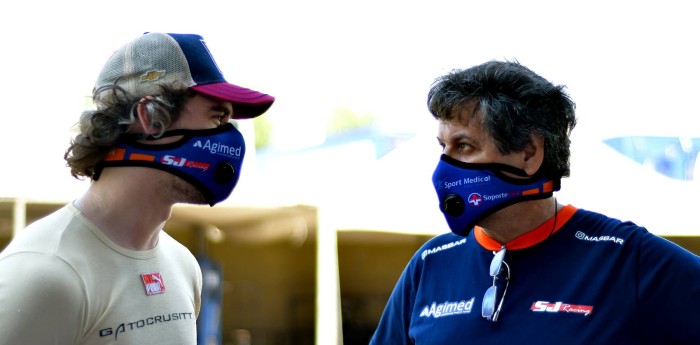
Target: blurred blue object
209,320
674,157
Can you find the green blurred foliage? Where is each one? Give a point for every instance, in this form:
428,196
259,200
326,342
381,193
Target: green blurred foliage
263,131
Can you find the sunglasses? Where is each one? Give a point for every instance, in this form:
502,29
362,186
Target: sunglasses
489,310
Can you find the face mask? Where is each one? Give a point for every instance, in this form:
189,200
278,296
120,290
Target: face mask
469,192
209,159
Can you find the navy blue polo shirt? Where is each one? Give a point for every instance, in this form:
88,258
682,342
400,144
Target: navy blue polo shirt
589,280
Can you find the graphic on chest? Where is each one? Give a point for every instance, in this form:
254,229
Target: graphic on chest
153,283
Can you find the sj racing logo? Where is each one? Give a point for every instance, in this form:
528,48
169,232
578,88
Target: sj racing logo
153,282
560,307
183,162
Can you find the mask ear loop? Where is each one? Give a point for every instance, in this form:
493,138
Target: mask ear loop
554,226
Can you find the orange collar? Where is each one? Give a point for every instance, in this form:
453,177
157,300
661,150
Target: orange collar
530,238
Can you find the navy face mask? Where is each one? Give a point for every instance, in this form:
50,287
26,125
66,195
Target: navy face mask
209,159
469,192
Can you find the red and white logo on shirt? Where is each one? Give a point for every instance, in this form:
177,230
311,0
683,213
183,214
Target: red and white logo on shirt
153,282
545,306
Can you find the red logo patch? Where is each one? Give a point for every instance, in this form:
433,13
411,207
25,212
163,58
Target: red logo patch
153,282
560,307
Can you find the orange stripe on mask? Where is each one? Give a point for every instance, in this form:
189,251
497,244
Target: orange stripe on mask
115,155
548,187
141,157
531,191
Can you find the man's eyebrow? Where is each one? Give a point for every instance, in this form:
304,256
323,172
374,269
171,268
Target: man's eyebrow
460,136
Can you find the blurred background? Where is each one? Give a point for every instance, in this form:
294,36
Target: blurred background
337,196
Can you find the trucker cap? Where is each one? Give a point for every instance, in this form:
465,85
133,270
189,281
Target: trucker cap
154,58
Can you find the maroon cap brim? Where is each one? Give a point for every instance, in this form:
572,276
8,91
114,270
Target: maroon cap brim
247,103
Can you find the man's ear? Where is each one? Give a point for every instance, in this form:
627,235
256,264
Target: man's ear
143,117
534,154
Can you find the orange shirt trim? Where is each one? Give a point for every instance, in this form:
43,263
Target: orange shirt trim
530,238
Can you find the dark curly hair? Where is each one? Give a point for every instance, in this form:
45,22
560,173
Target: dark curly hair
514,102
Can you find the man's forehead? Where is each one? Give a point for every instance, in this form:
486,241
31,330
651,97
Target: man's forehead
468,113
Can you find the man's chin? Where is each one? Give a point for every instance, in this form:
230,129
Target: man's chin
195,199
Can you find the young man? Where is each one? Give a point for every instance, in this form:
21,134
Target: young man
518,267
101,270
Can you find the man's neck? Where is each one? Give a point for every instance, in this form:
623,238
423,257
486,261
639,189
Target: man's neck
514,221
125,210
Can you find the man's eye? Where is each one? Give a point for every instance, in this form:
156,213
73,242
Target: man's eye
464,146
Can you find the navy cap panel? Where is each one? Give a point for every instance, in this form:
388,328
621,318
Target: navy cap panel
202,65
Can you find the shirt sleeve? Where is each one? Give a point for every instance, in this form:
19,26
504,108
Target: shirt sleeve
197,291
41,300
668,292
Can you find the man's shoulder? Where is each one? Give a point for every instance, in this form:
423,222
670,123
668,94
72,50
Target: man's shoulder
445,239
172,246
176,252
596,224
26,274
441,243
42,236
592,227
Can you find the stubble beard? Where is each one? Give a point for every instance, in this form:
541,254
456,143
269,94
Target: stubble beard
184,192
